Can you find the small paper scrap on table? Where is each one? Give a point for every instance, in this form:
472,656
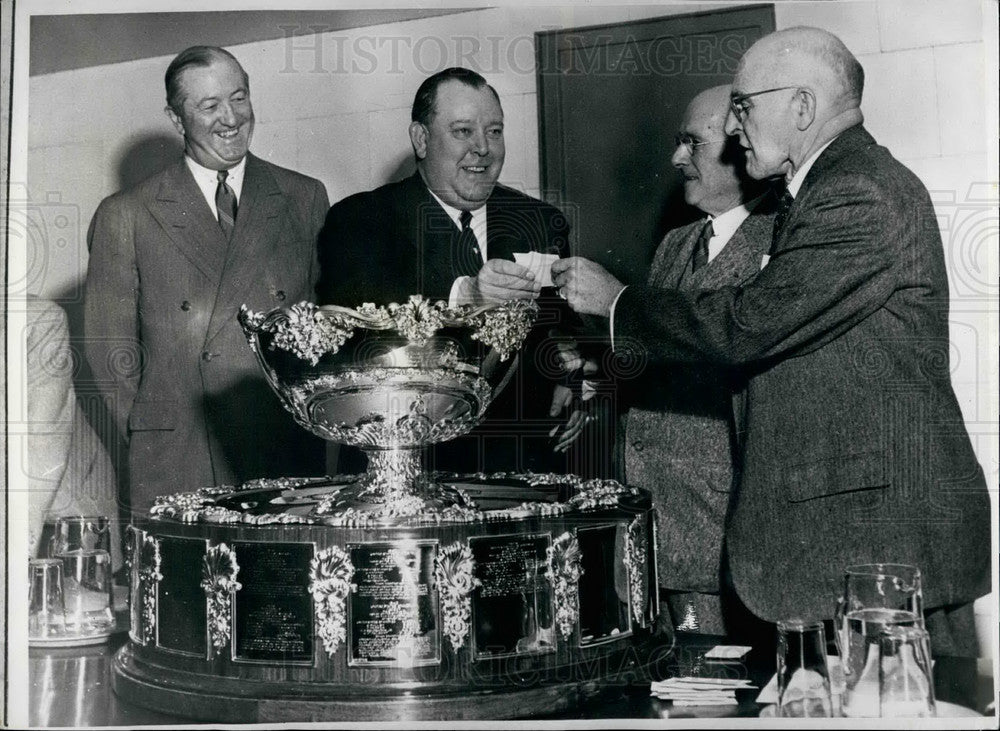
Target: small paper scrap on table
727,652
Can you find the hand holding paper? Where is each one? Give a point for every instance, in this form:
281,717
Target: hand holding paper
539,264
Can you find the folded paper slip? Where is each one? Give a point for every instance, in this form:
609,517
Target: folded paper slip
702,695
701,689
703,683
540,265
707,702
727,652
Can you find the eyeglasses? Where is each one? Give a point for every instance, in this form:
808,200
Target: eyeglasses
738,104
688,142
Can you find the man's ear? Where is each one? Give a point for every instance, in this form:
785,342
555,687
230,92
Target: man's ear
418,138
805,113
174,119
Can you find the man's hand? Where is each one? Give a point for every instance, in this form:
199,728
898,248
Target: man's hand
499,280
562,397
586,286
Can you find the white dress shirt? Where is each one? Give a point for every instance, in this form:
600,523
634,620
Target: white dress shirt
207,180
478,226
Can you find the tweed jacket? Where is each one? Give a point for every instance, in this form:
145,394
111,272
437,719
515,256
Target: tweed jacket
679,431
163,291
384,245
855,449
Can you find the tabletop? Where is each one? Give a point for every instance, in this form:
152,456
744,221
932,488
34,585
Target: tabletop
72,687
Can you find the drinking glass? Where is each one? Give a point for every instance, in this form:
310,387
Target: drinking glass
803,676
80,532
906,685
876,596
88,590
46,610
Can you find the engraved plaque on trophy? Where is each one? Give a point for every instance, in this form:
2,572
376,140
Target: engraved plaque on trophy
273,612
604,587
181,624
512,608
393,609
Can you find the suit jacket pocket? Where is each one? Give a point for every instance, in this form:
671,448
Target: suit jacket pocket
834,475
152,416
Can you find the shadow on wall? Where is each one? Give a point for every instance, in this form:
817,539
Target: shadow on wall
402,168
147,155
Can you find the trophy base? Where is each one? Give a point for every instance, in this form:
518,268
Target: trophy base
219,700
252,604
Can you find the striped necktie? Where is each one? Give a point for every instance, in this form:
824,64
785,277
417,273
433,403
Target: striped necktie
468,257
700,256
225,205
780,216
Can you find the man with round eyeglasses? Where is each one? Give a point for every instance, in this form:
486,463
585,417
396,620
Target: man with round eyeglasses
854,448
679,427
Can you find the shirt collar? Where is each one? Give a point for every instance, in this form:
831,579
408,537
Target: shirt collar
478,215
208,180
800,175
725,224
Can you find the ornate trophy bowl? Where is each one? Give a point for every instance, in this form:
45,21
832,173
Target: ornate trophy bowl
390,380
395,595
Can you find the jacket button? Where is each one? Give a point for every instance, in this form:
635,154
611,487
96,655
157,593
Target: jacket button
280,295
638,445
185,305
206,356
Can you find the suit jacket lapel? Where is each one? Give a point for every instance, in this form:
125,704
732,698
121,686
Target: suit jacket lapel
183,213
257,227
848,141
672,261
740,259
430,232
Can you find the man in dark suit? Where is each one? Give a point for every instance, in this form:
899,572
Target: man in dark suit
171,261
679,431
450,232
854,446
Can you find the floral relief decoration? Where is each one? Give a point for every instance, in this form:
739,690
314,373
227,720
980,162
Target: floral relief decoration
563,574
149,578
218,579
453,572
330,574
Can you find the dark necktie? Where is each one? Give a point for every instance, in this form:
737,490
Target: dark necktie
780,215
468,257
700,256
225,204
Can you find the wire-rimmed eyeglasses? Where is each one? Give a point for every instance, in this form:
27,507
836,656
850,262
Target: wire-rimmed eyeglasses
690,144
738,104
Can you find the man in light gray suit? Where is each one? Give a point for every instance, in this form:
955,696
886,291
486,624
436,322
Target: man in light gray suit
679,431
855,449
171,261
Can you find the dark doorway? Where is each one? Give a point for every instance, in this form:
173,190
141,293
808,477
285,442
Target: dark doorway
610,101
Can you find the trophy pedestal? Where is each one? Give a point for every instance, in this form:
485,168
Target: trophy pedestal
267,603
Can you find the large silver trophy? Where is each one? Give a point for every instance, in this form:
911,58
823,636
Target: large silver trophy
397,594
390,380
